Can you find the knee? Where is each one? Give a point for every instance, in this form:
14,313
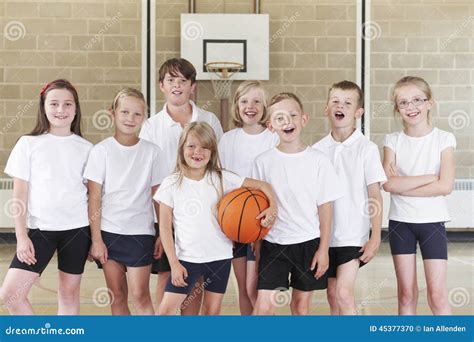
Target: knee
263,309
408,297
437,298
345,297
299,307
140,296
331,295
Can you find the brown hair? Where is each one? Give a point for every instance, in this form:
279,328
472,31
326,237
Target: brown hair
286,96
243,89
42,123
174,66
411,80
348,85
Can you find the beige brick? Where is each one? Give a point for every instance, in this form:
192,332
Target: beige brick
282,60
87,43
465,93
442,93
389,45
103,26
379,60
239,8
276,44
25,59
50,42
430,75
102,59
131,59
405,29
448,108
422,44
55,9
48,74
125,10
331,44
10,140
75,58
312,92
122,43
299,12
405,60
341,60
298,77
280,29
387,76
438,61
69,26
449,11
30,91
21,75
311,60
380,125
21,9
2,77
16,108
388,12
10,91
102,92
274,10
122,76
88,10
297,44
342,28
455,77
10,125
330,76
167,12
379,93
464,61
87,75
308,28
172,27
168,43
444,28
28,42
333,12
451,44
133,27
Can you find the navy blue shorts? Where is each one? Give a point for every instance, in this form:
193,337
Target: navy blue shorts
241,250
432,238
342,255
71,245
215,275
162,264
278,262
129,250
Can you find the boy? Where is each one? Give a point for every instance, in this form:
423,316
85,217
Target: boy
177,81
357,163
305,184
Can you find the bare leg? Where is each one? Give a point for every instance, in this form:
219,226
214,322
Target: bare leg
240,271
14,292
116,280
436,273
405,269
69,291
139,280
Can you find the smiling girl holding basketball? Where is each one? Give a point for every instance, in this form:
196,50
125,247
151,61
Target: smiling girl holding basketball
237,150
188,202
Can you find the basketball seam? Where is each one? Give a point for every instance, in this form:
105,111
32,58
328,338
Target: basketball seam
258,205
227,205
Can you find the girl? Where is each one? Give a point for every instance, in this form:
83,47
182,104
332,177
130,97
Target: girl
123,173
420,167
47,166
238,149
188,200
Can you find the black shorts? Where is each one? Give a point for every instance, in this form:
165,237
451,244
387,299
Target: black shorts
278,262
162,264
241,250
215,275
342,255
431,237
129,250
72,248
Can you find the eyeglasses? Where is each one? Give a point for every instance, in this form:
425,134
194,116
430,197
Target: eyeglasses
417,101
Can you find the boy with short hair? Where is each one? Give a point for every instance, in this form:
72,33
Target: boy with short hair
177,81
357,163
305,183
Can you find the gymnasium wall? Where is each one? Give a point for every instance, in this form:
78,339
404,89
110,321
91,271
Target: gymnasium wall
97,45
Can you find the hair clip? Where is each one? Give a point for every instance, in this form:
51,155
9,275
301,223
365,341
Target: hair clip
46,86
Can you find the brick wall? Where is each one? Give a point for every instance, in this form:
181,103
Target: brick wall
96,44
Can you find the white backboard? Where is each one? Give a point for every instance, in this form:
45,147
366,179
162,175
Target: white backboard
242,38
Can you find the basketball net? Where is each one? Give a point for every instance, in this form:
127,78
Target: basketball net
221,77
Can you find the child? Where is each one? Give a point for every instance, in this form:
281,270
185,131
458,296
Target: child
177,78
46,166
360,172
237,150
123,173
420,167
188,201
305,184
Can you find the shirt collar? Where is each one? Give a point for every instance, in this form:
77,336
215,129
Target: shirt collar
349,141
170,122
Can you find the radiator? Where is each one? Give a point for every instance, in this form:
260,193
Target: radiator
460,203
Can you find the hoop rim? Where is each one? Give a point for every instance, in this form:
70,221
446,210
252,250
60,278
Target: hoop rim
220,66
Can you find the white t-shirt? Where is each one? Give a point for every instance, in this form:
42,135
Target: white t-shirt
357,163
302,181
417,156
53,166
238,149
163,131
126,174
198,236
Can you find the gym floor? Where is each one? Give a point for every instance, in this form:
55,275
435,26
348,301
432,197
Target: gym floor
376,291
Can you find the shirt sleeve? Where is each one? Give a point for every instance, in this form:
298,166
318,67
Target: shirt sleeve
18,164
95,167
373,169
329,186
216,125
448,140
256,173
146,130
390,141
231,180
164,194
222,149
159,167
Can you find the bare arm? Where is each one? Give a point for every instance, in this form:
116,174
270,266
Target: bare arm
158,251
98,248
269,215
400,184
24,249
375,205
178,272
321,257
444,185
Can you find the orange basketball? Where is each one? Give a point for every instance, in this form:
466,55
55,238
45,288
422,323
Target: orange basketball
237,212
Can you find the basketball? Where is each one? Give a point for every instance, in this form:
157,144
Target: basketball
237,212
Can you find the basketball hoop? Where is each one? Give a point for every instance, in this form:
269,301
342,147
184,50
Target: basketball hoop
221,77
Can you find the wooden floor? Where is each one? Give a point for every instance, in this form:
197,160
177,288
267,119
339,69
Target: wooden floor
375,290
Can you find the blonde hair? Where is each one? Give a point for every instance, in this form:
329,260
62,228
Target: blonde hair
243,89
128,92
206,136
286,96
419,82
